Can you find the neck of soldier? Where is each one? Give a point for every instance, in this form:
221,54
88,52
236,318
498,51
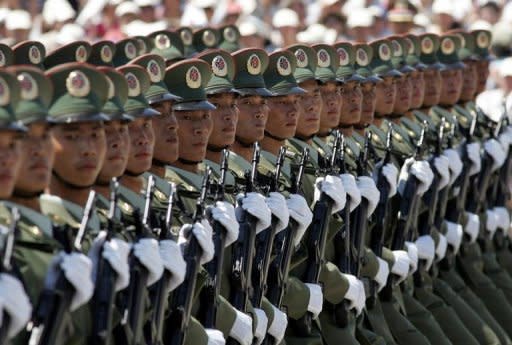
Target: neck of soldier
190,167
78,196
133,183
377,121
272,145
157,170
347,131
32,203
214,156
245,151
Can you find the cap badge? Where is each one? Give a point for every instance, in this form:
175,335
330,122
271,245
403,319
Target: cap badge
130,51
427,45
283,66
34,55
324,60
409,45
254,64
384,52
133,84
2,59
448,47
230,34
155,72
482,40
343,55
186,37
28,86
219,66
5,92
362,57
162,41
209,38
142,46
81,54
397,48
106,54
462,40
111,88
302,58
193,78
78,84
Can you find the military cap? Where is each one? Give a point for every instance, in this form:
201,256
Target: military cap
9,98
482,43
144,44
381,62
29,53
102,53
6,55
80,92
447,53
36,92
467,45
346,60
327,63
223,67
126,51
250,64
206,38
306,62
78,51
187,36
167,44
398,48
363,56
413,51
188,79
429,44
155,66
117,94
229,38
138,82
279,77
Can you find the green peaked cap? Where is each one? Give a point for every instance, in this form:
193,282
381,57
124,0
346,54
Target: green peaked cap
279,77
102,53
381,63
29,53
144,44
306,62
117,94
9,98
413,51
36,92
363,57
78,51
155,66
167,44
206,38
80,93
327,62
447,54
467,45
482,40
429,45
250,64
6,55
188,79
222,65
126,51
399,53
346,60
187,38
229,38
138,82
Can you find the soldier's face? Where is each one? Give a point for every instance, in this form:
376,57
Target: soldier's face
418,89
469,81
432,78
385,94
193,133
310,108
252,118
165,128
283,116
330,115
118,151
482,71
369,103
451,87
142,143
38,155
351,104
80,150
403,95
10,149
225,119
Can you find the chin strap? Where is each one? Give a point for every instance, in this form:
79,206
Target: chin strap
214,148
361,126
69,184
23,194
304,137
159,163
242,143
268,134
346,126
323,135
133,173
188,162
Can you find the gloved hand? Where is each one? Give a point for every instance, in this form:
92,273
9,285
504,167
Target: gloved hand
203,233
472,227
255,205
277,204
491,223
333,188
441,164
224,213
426,249
505,139
390,173
215,337
473,151
401,265
241,330
173,261
316,299
147,252
455,164
382,274
503,218
261,325
350,186
495,150
370,192
361,301
116,252
15,303
442,245
419,169
355,293
454,235
278,326
301,213
412,251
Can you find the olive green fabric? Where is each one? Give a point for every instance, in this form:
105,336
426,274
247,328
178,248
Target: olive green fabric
206,38
306,62
229,38
332,334
449,45
399,48
500,277
327,63
223,67
6,55
346,60
483,40
430,44
413,51
117,94
195,334
381,61
138,81
102,53
77,51
167,44
363,57
467,45
125,51
186,34
279,74
250,64
377,322
29,53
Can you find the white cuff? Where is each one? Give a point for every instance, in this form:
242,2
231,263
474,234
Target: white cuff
261,325
472,227
412,251
401,265
426,249
215,337
381,277
242,329
316,299
454,235
442,245
278,326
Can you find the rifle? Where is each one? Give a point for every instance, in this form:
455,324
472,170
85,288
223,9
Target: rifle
342,239
47,321
104,292
181,305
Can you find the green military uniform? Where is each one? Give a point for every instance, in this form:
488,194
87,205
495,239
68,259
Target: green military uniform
187,35
167,44
229,38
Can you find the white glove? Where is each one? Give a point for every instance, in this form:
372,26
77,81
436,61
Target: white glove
316,299
401,265
361,301
390,172
381,277
441,248
147,252
495,150
224,213
301,213
426,249
15,303
116,252
455,164
503,218
491,223
203,234
261,325
277,204
355,293
350,186
241,330
173,261
473,151
472,227
441,164
421,170
333,188
454,235
370,192
278,326
505,139
412,251
215,337
255,205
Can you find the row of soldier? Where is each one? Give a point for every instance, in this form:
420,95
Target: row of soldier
345,194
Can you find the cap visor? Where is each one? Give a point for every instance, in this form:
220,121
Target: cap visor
294,90
407,69
456,65
14,127
256,91
420,66
74,118
199,105
392,73
146,112
164,97
216,91
373,79
120,117
355,77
